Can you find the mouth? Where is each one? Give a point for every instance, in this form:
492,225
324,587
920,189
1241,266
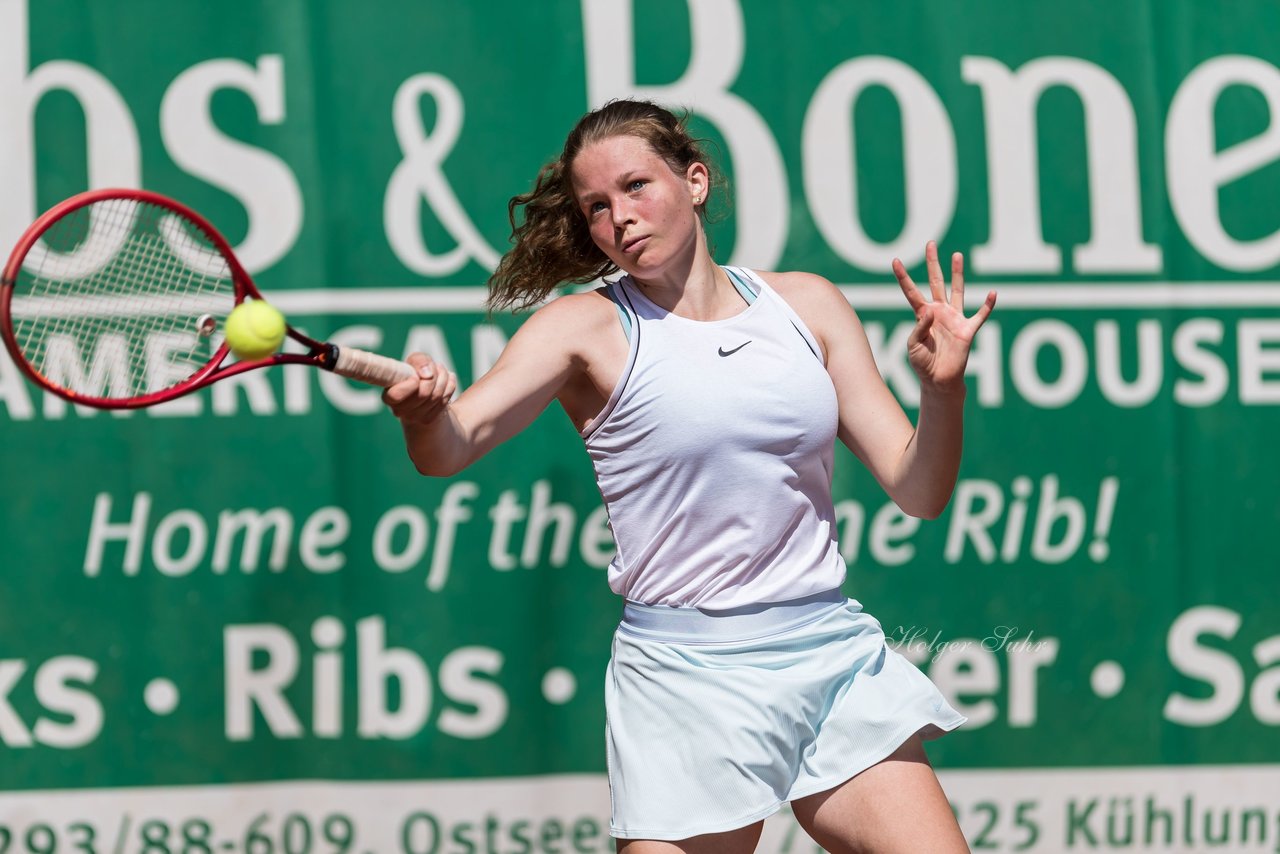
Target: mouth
634,243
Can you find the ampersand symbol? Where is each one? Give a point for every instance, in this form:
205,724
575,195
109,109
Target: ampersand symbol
420,175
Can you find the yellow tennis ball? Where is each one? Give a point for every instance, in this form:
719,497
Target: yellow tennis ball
255,330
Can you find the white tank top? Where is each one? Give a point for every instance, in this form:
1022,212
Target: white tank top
714,456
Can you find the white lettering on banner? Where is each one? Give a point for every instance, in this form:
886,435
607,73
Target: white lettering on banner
1196,169
263,660
163,371
458,682
102,530
325,528
546,531
1171,808
194,531
1206,383
451,513
179,543
1210,377
1257,360
108,372
718,47
255,525
420,177
262,182
61,686
1039,810
887,539
1264,696
386,554
595,539
978,507
1093,358
258,393
267,188
13,732
543,814
543,515
1073,357
297,386
15,392
55,688
328,633
247,687
1220,670
830,165
111,139
378,665
1143,389
504,515
1115,211
967,670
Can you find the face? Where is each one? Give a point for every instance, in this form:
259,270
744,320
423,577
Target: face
639,212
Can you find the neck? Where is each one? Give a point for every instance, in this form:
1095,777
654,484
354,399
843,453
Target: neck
696,288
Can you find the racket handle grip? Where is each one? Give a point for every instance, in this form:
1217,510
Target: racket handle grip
368,367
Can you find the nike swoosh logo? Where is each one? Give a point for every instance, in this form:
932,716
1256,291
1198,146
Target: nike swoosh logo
723,352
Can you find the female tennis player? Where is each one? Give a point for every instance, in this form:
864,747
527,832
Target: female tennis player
709,399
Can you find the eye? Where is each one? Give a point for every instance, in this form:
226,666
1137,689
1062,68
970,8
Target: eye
635,186
596,207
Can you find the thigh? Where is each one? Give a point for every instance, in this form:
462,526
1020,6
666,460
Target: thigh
740,841
895,805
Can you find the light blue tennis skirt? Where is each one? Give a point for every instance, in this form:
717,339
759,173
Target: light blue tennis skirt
715,719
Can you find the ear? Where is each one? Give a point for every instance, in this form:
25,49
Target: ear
698,180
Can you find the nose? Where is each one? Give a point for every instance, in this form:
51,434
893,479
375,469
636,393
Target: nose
622,212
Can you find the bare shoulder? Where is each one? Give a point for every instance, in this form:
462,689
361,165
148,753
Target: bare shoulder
569,323
574,310
805,291
819,304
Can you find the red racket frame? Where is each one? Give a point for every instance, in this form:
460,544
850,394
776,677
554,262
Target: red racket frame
319,354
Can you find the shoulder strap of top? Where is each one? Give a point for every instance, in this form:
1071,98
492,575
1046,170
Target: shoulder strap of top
612,291
742,284
751,276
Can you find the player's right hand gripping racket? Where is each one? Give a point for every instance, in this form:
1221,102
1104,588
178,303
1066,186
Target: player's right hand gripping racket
117,299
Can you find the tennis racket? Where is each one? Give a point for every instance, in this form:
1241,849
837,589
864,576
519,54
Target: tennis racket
117,299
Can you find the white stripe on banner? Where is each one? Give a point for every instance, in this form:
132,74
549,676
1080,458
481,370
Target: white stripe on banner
468,300
1091,295
1186,808
1011,295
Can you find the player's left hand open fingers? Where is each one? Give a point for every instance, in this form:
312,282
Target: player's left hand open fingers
957,281
984,310
909,289
924,323
937,286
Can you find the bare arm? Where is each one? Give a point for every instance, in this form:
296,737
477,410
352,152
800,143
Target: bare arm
917,466
444,436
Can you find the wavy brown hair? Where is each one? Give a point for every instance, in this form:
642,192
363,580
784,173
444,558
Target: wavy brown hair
551,245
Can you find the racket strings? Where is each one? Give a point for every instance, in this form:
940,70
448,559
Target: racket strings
118,300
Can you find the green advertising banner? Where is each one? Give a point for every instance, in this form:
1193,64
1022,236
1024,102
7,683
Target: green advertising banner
243,622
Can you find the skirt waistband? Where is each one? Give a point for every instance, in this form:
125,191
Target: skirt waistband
748,621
